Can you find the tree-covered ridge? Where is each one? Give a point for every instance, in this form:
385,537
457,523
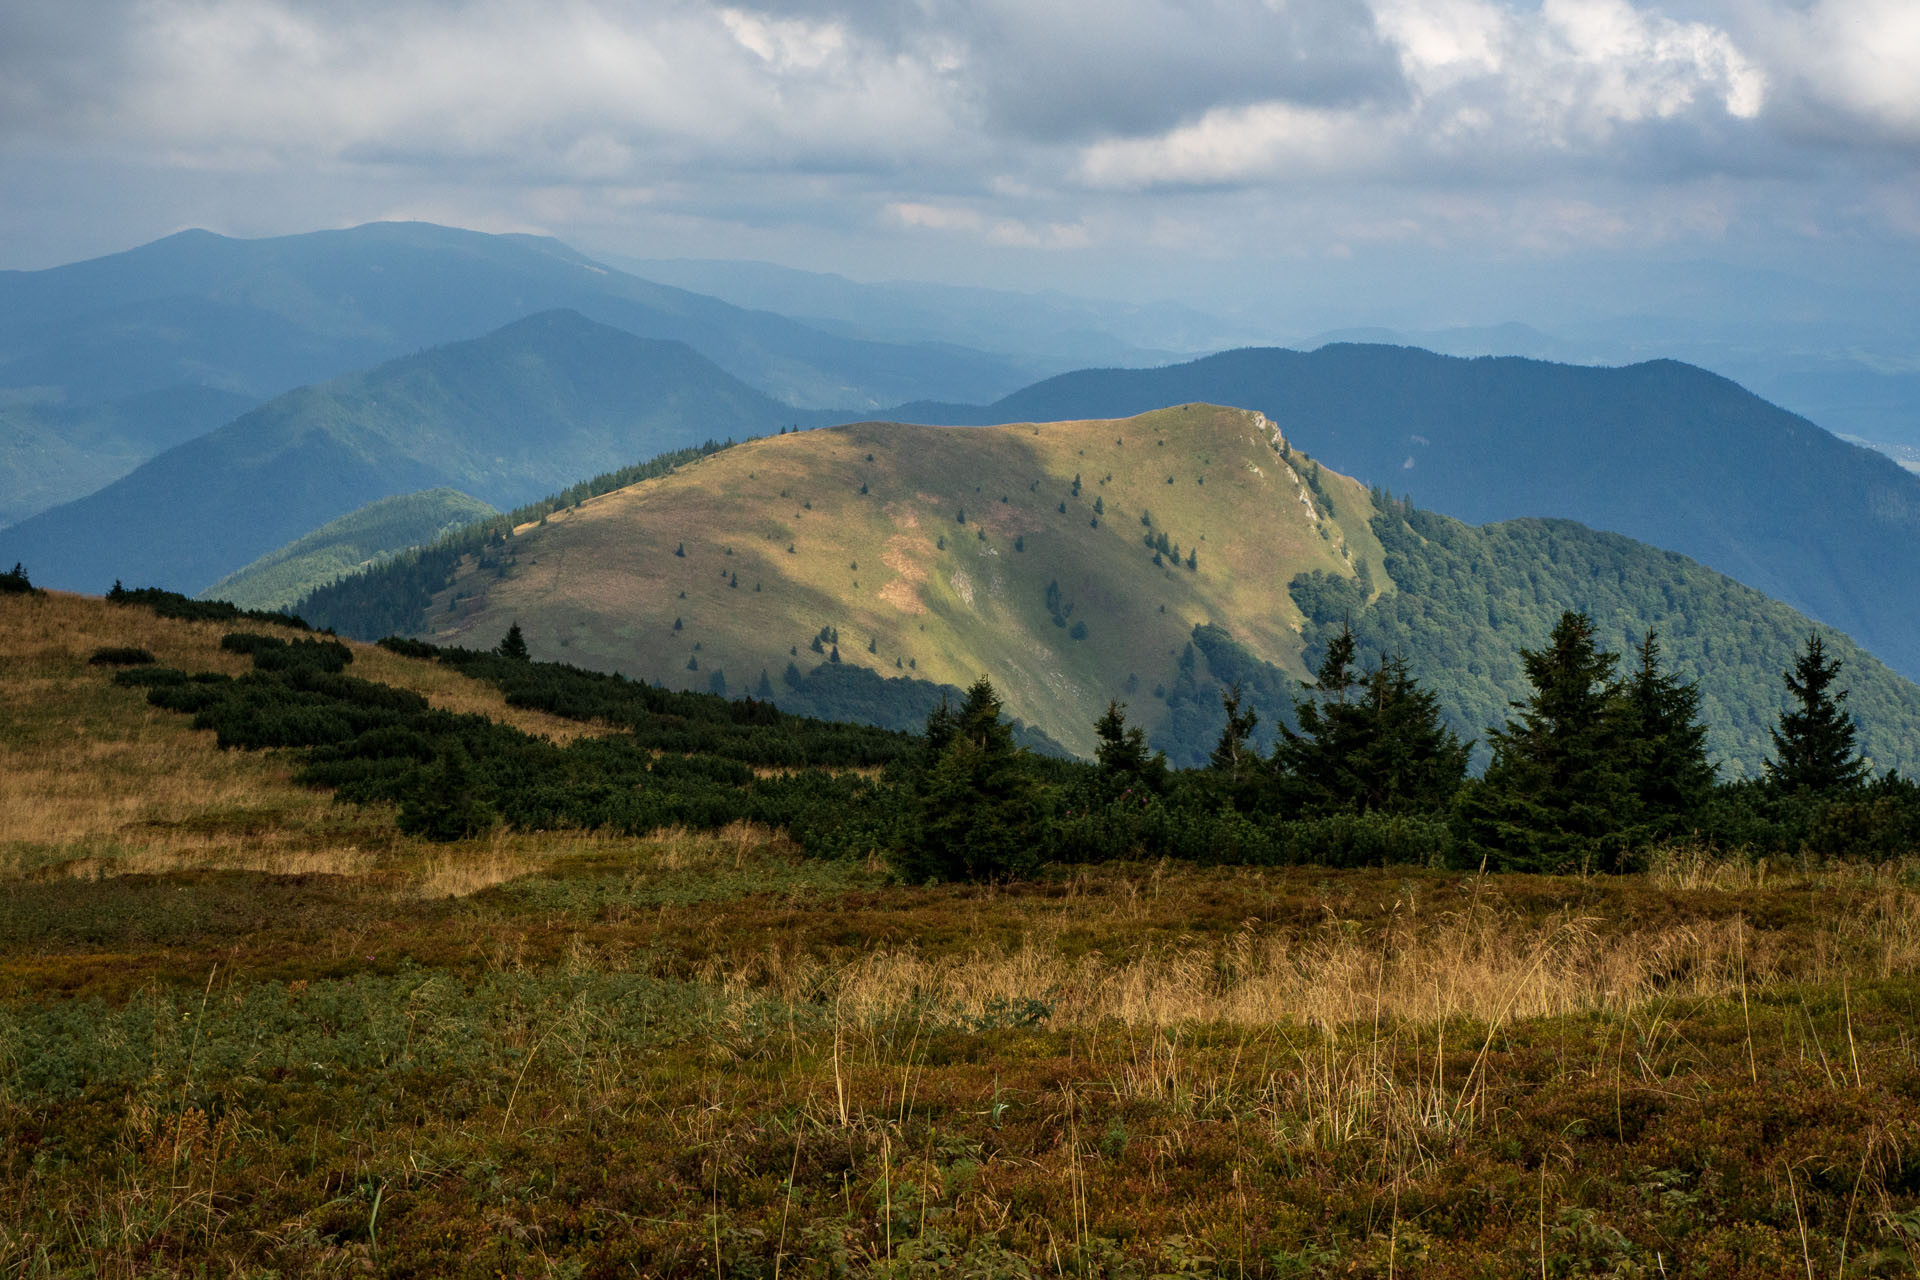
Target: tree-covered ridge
392,597
1464,601
280,579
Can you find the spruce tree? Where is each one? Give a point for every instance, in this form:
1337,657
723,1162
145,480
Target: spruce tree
1559,794
1667,743
1813,746
514,645
1123,756
1372,742
978,806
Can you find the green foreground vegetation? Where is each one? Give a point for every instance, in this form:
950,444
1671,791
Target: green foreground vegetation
735,1030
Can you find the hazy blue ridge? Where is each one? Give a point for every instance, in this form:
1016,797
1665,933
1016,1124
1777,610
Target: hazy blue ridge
507,418
53,452
260,317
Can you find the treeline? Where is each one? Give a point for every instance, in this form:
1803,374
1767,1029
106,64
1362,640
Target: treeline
1594,768
171,604
393,597
678,759
1600,763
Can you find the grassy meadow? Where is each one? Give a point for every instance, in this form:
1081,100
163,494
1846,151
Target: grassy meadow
245,1031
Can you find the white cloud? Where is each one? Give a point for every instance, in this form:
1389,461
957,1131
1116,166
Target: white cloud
1268,140
575,88
1487,84
1854,65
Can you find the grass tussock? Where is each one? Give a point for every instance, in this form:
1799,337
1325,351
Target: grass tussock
1485,961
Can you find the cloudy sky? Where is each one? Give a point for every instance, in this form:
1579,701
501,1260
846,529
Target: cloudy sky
1116,146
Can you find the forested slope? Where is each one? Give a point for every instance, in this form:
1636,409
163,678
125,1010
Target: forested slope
1465,600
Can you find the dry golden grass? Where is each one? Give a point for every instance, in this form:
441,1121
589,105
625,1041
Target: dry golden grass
448,690
95,782
1481,961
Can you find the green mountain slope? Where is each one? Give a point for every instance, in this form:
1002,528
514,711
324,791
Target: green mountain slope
941,554
968,552
1663,452
347,545
506,418
53,452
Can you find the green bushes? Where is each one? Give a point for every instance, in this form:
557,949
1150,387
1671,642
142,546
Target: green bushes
687,760
171,604
1368,779
120,656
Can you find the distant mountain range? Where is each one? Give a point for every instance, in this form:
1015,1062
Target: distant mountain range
52,451
1661,451
1151,560
506,418
103,362
1047,332
106,364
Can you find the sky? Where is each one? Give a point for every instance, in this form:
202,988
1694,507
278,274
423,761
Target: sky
1376,157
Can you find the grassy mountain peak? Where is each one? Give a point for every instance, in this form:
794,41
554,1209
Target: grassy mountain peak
1153,560
938,554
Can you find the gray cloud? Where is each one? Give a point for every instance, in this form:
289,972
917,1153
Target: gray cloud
1076,127
1077,73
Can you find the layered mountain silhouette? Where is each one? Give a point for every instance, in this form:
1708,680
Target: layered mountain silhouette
152,332
506,418
263,316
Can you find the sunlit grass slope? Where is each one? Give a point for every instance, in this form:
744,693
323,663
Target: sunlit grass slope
94,781
930,552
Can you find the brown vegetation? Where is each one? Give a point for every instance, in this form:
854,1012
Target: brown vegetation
280,1039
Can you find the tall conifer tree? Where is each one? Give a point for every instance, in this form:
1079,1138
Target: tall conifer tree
1666,741
1559,794
1372,742
1813,747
